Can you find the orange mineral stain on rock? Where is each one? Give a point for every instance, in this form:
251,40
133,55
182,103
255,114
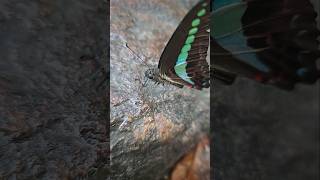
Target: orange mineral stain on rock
157,128
165,128
144,132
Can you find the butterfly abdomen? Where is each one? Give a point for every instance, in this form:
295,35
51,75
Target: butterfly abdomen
155,76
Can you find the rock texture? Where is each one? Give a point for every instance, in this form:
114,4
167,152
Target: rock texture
53,121
153,126
260,132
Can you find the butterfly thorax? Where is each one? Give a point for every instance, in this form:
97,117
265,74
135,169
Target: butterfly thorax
155,75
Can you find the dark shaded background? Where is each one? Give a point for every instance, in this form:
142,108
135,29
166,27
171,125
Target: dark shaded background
261,132
53,114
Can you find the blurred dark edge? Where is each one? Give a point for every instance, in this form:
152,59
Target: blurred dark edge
54,89
235,157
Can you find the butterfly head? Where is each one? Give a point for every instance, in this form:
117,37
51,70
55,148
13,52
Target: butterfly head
152,73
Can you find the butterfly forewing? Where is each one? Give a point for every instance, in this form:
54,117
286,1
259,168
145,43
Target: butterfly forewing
183,60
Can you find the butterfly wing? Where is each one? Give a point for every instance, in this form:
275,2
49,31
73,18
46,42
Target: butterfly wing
272,41
183,60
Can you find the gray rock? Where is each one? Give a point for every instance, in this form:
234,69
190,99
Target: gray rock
153,126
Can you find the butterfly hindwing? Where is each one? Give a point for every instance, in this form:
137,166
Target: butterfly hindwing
272,41
183,60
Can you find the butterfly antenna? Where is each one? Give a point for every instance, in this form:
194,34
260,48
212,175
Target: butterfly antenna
136,54
144,83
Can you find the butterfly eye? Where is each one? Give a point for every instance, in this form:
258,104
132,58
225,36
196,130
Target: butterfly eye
150,75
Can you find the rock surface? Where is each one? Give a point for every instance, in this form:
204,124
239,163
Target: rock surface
264,133
151,127
53,121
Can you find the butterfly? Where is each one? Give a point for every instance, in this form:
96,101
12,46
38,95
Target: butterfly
272,42
183,61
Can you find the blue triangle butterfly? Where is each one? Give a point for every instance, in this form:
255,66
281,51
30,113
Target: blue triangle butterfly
273,42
